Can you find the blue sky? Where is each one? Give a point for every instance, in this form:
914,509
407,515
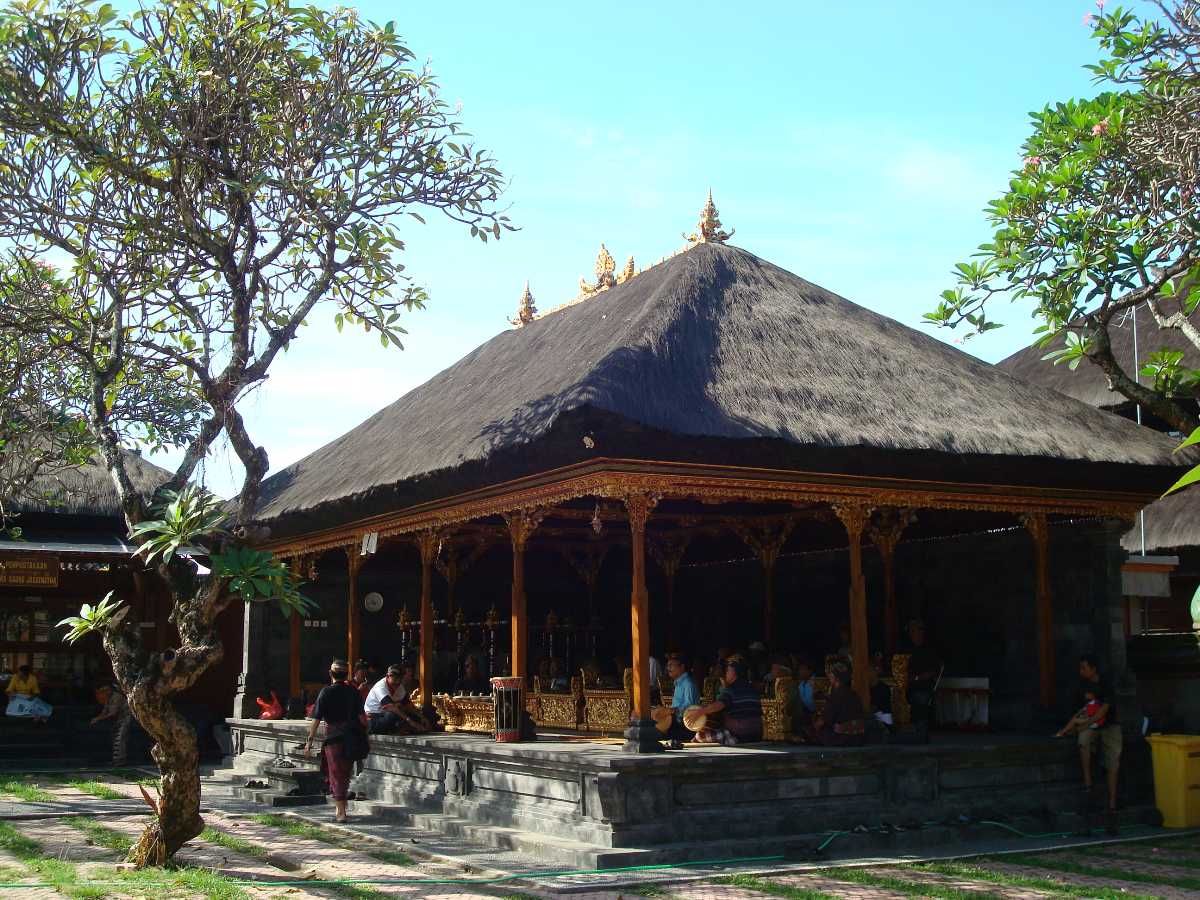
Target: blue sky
852,143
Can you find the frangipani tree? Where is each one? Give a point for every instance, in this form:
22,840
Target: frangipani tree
1103,215
208,173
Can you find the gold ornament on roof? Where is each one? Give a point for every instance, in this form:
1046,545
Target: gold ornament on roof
709,226
605,266
628,272
526,311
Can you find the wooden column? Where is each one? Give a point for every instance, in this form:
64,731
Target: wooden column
353,617
855,518
668,553
642,736
1044,617
294,655
428,543
767,542
885,534
521,525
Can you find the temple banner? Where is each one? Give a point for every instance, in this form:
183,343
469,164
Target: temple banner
29,571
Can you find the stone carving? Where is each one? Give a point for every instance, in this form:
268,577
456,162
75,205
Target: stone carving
456,775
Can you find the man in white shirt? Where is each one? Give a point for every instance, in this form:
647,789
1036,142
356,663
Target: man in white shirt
382,705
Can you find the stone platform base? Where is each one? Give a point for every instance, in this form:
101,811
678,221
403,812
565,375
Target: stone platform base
588,803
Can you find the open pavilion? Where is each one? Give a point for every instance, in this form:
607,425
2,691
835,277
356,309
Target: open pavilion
700,454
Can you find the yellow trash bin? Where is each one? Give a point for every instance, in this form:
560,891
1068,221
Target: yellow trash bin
1177,778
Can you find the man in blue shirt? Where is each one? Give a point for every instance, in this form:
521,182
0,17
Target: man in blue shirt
683,695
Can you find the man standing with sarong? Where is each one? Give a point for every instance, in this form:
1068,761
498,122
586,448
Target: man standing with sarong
340,707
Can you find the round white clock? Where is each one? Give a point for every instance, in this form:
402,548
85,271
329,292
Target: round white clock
373,602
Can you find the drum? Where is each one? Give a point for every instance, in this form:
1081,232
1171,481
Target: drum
693,719
662,716
507,694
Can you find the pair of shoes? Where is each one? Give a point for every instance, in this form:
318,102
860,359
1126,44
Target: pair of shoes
255,783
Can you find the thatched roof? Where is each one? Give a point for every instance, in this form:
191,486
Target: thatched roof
1173,521
713,349
87,490
1087,383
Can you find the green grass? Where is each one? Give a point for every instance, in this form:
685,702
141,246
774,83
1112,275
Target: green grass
232,842
60,873
965,870
96,789
101,835
26,791
157,882
754,883
1074,868
299,828
896,883
649,890
1145,854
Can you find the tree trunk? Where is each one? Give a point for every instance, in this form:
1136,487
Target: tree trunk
175,751
149,680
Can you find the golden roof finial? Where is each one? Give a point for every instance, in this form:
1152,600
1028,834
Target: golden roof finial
628,272
709,226
605,266
526,311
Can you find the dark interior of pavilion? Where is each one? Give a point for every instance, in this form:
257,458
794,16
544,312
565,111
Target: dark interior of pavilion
970,575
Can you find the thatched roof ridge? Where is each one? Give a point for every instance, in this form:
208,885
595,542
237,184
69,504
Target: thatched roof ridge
87,490
715,343
1087,382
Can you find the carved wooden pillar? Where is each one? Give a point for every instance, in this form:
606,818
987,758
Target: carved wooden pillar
428,543
1039,529
855,518
767,542
669,553
642,736
353,617
885,534
521,525
453,564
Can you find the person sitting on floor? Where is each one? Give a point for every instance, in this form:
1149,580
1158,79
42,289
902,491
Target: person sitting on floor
472,681
683,695
385,705
924,667
881,694
24,698
740,708
804,703
843,722
558,677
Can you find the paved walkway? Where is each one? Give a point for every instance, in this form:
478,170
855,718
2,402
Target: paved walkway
255,852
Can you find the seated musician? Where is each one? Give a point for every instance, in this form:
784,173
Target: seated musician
472,681
740,708
683,695
881,694
924,666
843,722
558,677
804,704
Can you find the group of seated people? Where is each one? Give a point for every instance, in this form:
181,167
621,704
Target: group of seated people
735,714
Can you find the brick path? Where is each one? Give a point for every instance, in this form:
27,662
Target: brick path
964,883
1085,881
